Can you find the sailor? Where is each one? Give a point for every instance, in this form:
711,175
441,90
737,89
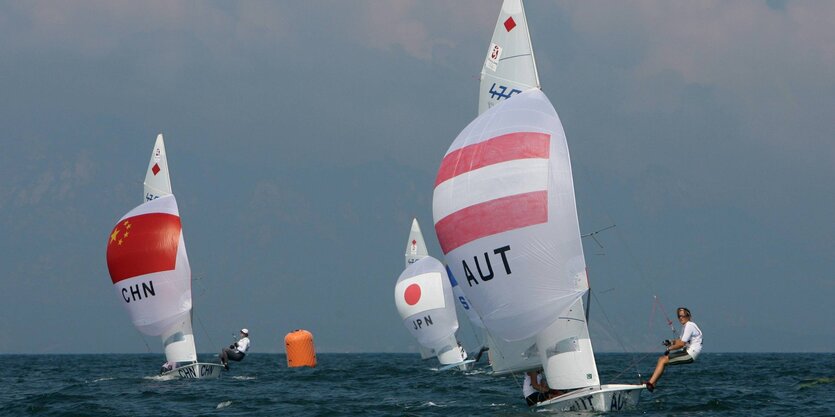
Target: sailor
167,366
679,351
535,389
236,351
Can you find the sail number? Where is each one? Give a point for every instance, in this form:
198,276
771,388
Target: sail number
485,272
191,371
499,92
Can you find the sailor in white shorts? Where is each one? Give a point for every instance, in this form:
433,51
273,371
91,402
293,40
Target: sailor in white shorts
679,351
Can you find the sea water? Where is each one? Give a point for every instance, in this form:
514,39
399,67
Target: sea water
369,384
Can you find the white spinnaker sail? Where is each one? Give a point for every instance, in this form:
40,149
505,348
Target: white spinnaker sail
416,245
505,357
157,178
423,297
510,67
506,219
149,268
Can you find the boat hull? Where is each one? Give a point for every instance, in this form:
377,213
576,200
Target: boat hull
612,397
195,371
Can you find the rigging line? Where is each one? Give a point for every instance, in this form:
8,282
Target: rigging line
195,316
634,363
202,327
595,190
144,341
657,303
619,234
611,325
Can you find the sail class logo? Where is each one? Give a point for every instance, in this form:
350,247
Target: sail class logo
143,244
491,187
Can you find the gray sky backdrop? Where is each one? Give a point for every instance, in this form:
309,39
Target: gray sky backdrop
304,136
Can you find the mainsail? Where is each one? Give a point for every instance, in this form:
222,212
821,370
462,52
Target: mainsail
157,179
506,219
424,300
415,246
148,264
510,67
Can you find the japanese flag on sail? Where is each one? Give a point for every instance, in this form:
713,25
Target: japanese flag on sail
419,294
148,265
423,297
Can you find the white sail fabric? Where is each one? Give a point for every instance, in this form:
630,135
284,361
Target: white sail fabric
510,67
157,178
504,357
148,265
566,352
511,357
506,218
423,298
415,246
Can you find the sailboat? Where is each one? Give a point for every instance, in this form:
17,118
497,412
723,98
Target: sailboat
415,251
508,69
506,219
424,300
149,268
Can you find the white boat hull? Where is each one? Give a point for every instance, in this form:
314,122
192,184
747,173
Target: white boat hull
195,371
612,397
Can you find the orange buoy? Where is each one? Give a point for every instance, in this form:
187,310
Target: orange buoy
300,351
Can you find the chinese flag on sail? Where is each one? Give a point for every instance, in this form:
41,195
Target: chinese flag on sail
142,245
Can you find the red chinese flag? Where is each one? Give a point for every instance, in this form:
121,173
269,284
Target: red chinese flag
142,245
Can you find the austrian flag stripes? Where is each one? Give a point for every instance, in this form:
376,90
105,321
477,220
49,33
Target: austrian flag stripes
494,186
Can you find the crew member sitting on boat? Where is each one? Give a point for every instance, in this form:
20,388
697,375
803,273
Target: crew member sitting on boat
167,366
679,351
536,390
236,351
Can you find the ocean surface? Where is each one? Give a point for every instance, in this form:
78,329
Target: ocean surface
372,384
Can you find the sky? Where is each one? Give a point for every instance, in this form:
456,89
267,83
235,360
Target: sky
303,137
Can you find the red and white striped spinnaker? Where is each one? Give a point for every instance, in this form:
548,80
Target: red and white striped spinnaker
506,218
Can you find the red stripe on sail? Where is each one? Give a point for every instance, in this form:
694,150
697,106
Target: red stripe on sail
142,245
518,145
492,217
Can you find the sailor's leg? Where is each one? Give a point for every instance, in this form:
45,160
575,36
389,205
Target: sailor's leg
659,369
